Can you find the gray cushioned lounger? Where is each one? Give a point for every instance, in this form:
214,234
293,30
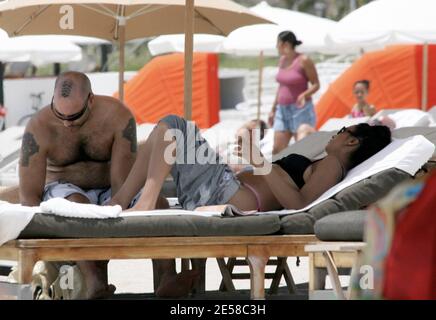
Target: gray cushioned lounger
343,226
51,226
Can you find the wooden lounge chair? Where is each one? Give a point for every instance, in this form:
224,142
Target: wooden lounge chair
338,251
256,249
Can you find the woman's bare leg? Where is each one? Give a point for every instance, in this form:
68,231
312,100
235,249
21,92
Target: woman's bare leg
303,131
281,140
138,174
157,170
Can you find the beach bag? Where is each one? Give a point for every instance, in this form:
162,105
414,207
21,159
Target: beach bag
410,268
380,226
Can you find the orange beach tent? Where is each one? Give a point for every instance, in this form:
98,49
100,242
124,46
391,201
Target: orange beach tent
157,89
396,82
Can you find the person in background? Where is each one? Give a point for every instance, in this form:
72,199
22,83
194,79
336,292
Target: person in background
362,108
2,118
298,81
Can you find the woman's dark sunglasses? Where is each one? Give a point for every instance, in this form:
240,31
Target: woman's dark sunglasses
71,117
345,129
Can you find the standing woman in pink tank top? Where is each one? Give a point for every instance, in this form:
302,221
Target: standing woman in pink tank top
298,81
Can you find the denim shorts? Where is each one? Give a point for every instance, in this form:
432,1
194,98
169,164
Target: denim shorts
290,117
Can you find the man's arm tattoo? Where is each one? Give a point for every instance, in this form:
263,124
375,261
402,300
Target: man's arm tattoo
28,148
129,133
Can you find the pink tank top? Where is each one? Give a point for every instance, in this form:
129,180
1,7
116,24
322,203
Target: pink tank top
292,81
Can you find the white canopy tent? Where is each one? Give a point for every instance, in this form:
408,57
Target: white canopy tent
387,22
176,43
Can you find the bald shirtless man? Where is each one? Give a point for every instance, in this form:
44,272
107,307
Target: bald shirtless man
81,147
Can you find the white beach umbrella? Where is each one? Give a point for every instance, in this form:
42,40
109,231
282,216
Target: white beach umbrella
176,43
250,40
3,34
386,22
260,40
39,50
80,40
308,28
123,20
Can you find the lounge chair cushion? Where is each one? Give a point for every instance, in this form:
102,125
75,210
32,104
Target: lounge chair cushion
343,226
355,197
361,194
51,226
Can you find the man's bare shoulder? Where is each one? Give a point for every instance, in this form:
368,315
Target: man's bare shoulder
113,107
41,121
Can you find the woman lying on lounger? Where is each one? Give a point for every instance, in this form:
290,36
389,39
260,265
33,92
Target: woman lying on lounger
292,182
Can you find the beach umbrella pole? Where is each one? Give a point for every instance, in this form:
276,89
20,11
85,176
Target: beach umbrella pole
121,63
259,89
2,72
424,92
189,31
121,41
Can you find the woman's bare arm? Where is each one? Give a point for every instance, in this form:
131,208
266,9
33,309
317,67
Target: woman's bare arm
327,173
325,176
312,76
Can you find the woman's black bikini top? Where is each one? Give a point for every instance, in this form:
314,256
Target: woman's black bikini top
295,165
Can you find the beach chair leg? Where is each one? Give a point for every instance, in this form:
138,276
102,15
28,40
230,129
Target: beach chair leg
352,292
292,288
316,275
280,270
257,263
156,275
226,286
333,273
200,265
226,270
26,262
185,264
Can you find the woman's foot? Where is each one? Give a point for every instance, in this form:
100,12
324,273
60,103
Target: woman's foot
177,285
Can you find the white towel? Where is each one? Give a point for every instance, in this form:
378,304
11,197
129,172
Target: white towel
207,211
170,212
13,219
65,208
